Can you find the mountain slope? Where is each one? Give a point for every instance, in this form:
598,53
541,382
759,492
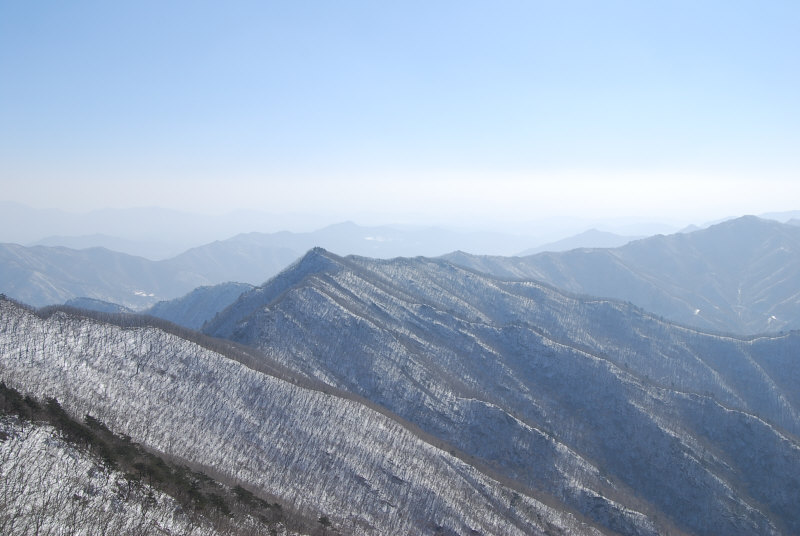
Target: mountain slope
49,487
317,451
739,276
49,275
644,426
198,306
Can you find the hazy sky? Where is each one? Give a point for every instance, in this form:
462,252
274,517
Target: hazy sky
497,109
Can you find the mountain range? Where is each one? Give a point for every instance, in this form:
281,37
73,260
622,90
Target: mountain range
46,275
454,395
158,233
738,276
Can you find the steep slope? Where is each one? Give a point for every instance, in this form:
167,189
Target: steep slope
48,487
198,306
739,276
51,487
317,451
644,426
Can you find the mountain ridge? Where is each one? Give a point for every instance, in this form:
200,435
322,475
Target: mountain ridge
737,276
453,351
312,449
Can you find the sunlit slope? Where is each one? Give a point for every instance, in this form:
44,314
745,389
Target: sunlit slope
642,425
317,452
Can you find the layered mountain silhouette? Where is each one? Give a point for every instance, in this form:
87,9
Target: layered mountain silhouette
42,275
643,426
158,233
738,276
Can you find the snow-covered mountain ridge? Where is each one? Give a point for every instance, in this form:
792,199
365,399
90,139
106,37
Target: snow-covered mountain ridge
323,454
643,425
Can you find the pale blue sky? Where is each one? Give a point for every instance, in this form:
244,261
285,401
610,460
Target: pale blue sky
501,109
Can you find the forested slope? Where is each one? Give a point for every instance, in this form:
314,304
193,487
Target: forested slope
643,425
318,453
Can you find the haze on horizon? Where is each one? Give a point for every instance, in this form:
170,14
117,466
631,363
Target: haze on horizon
431,112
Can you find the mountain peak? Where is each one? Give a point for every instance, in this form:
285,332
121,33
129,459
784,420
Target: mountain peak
315,261
317,257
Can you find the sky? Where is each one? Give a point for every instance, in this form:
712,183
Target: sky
435,110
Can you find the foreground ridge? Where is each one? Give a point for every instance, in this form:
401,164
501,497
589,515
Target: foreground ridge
317,453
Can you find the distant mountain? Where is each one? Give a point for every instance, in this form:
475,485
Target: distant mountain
349,238
49,275
150,230
157,233
242,258
255,257
198,306
782,216
160,227
151,250
389,241
739,276
643,426
587,239
100,306
244,419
